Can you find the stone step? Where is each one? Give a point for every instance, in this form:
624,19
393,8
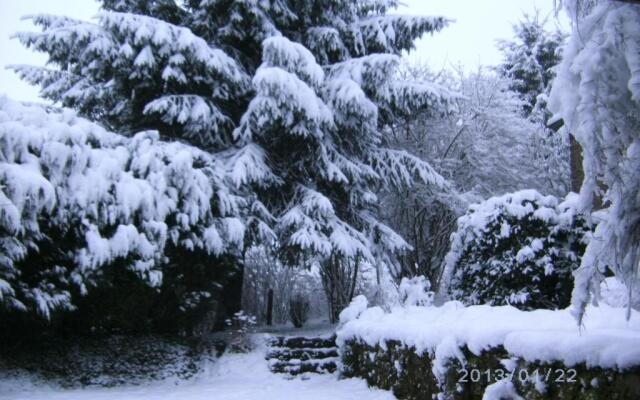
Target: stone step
285,353
299,342
293,368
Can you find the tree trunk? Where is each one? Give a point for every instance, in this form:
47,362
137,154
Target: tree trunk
270,307
339,277
577,173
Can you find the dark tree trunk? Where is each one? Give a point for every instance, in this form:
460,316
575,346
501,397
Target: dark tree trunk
339,277
270,307
577,173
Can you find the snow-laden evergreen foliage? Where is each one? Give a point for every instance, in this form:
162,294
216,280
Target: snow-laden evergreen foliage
529,60
77,198
529,63
133,72
520,249
597,94
296,95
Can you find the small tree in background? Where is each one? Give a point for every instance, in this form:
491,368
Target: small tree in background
529,61
299,310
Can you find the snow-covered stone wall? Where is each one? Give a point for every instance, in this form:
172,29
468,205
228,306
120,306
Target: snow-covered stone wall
458,352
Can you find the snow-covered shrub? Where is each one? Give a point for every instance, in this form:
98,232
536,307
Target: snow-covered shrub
416,291
239,333
518,249
109,361
614,293
357,306
379,287
82,205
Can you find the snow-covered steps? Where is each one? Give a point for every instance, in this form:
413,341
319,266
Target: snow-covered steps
298,355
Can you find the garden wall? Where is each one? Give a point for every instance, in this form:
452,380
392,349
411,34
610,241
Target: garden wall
409,374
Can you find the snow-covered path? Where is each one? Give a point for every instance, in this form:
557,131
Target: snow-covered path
233,377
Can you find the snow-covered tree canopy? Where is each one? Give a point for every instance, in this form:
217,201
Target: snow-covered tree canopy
295,96
529,60
597,94
96,198
310,123
519,249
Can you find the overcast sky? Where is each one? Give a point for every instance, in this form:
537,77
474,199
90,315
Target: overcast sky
470,41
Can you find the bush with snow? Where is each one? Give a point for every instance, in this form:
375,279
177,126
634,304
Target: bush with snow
415,291
421,352
357,306
80,202
239,333
518,249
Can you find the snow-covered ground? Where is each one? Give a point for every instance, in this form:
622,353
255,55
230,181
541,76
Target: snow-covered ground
234,376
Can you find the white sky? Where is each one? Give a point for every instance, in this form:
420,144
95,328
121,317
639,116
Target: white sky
470,41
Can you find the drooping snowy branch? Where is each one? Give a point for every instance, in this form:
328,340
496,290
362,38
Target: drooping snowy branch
111,197
597,94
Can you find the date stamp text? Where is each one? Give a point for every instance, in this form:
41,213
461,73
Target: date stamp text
543,375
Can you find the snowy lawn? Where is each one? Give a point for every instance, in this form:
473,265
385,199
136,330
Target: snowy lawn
234,376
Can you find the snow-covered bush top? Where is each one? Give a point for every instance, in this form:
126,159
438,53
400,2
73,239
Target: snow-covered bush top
357,306
105,197
519,249
415,291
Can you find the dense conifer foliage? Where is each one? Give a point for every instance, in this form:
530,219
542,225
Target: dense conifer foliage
291,99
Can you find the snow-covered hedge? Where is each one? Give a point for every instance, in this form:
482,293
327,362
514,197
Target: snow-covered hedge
76,198
518,249
113,361
442,342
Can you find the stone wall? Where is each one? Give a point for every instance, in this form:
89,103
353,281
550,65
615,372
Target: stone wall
394,366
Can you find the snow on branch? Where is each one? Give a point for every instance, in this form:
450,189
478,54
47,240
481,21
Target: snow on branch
399,168
112,197
283,98
597,94
170,40
278,51
395,33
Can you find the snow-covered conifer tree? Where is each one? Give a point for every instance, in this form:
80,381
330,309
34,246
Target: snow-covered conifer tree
597,94
529,60
296,96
